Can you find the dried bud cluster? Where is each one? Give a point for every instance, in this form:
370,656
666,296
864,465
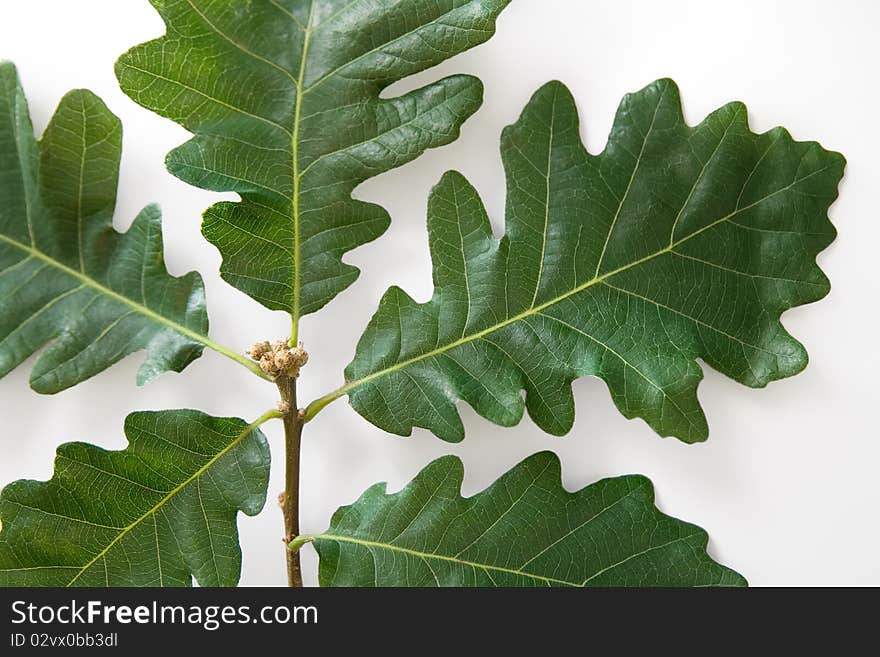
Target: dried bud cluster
278,359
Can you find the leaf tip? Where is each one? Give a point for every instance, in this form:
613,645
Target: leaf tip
449,469
451,177
546,459
7,67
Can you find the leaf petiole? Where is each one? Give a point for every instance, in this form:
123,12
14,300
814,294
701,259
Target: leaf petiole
300,541
319,404
241,359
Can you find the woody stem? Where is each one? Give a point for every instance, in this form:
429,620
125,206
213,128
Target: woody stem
293,425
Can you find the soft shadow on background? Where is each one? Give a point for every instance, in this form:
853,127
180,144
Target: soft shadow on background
785,484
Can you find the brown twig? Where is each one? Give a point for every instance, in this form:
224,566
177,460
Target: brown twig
289,499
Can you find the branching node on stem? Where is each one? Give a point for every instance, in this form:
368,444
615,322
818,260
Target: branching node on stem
283,364
278,360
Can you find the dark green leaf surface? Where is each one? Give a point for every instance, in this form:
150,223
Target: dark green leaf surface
155,514
283,97
674,244
65,275
524,530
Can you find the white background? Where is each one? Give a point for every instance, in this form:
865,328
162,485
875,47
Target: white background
786,484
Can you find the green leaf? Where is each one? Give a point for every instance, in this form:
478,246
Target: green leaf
155,514
65,275
284,103
524,530
674,244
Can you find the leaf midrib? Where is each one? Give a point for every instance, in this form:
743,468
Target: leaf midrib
439,557
426,556
534,310
301,91
297,181
146,311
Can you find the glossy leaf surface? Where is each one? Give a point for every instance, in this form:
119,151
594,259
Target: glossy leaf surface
157,513
66,276
283,98
524,530
672,245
